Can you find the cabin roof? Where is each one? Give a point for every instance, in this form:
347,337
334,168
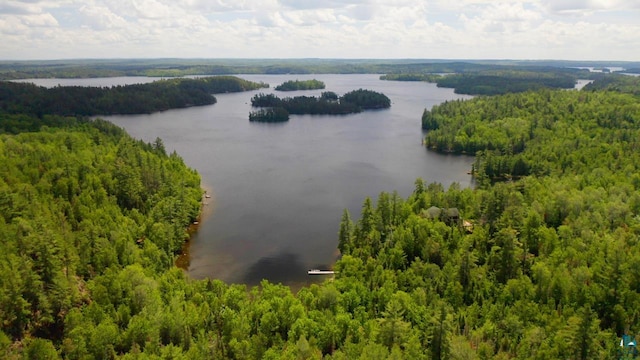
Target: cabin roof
433,212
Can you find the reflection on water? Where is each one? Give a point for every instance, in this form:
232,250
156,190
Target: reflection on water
280,188
281,268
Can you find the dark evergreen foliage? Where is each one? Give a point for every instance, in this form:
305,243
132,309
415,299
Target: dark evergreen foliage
160,95
499,80
327,104
617,83
184,67
293,85
411,77
329,95
276,114
366,99
505,82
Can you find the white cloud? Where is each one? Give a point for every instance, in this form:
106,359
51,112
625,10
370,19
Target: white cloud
12,28
17,7
309,17
39,20
331,28
501,18
587,7
327,4
100,17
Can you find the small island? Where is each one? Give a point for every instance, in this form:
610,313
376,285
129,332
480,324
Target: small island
411,77
327,104
293,85
276,114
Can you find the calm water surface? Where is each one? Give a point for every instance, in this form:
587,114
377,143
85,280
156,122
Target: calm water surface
279,189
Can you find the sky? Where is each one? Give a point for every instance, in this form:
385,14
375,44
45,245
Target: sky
378,29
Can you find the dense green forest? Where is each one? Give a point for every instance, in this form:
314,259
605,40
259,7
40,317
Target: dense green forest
544,266
17,98
328,103
513,135
616,82
502,81
81,200
293,85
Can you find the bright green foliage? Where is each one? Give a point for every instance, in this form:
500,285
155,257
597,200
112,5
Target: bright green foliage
80,202
545,266
540,133
293,85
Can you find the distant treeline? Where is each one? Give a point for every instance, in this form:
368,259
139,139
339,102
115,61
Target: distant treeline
183,67
327,104
502,82
129,99
293,85
411,77
495,82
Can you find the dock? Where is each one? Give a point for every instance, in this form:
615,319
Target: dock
320,272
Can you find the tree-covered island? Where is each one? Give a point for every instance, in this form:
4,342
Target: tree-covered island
411,77
275,114
293,85
159,95
327,104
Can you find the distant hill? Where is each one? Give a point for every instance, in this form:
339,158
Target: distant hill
182,67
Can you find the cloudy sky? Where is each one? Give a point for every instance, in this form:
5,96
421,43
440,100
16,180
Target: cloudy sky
451,29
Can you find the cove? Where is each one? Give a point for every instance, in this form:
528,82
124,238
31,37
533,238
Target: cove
278,190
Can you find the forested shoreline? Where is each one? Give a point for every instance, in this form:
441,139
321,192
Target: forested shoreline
513,135
500,81
542,265
19,98
81,200
87,68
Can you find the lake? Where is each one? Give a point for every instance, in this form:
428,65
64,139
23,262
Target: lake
278,190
